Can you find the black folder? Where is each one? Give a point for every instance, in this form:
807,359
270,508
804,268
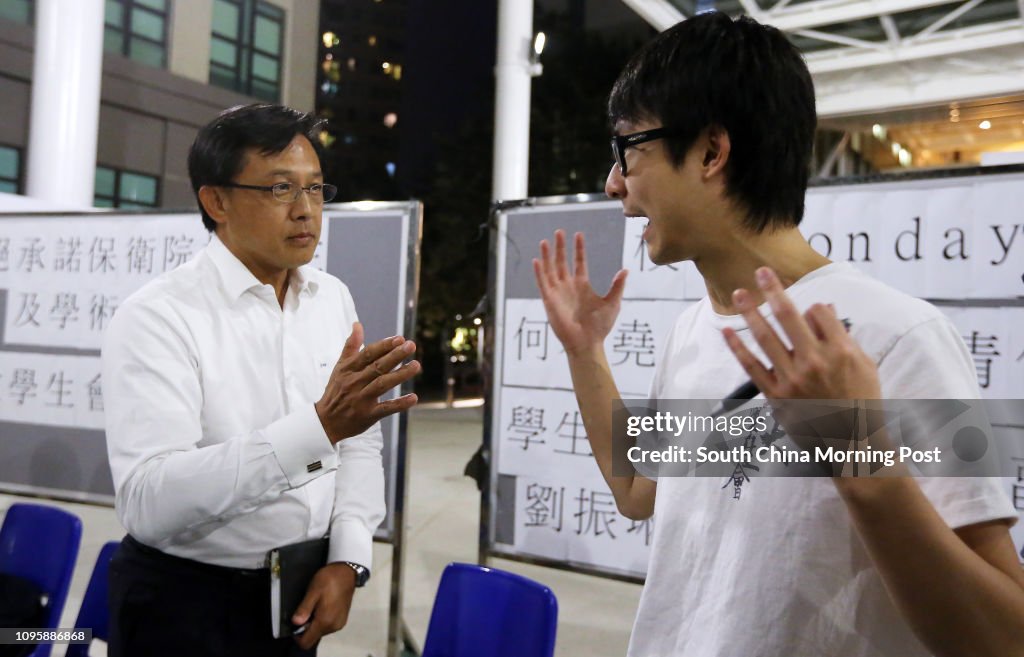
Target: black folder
291,570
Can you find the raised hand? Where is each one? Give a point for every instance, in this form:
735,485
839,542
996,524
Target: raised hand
824,363
350,403
580,318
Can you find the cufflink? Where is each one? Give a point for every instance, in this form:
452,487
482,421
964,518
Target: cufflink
314,466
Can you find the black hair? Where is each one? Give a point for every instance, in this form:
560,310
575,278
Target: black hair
744,77
218,152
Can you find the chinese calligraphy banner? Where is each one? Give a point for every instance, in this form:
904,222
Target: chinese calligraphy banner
553,505
62,277
956,241
65,275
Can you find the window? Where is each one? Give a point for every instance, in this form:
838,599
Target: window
10,170
245,47
19,11
137,29
124,189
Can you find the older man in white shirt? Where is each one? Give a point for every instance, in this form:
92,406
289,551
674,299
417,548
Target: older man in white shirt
241,412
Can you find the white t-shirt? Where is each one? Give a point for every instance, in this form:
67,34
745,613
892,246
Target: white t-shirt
781,571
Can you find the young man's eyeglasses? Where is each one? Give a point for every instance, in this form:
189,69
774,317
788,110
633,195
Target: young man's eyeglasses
287,192
621,142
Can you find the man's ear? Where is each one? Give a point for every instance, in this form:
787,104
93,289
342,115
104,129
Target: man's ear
214,202
716,151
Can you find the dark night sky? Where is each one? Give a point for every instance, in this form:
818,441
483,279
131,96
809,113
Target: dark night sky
450,54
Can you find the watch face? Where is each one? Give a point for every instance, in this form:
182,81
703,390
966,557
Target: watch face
362,574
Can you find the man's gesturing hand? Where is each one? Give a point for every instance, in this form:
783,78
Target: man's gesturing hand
824,363
579,316
350,401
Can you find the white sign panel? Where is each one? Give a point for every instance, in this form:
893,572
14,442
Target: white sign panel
959,238
63,278
534,357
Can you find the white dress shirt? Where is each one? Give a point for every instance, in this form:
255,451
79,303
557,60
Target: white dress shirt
216,450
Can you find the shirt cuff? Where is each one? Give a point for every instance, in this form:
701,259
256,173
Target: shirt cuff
301,446
351,541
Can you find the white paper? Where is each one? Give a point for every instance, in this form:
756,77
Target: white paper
859,214
647,280
949,241
117,253
534,357
913,233
903,228
59,391
996,342
65,277
541,433
999,230
576,521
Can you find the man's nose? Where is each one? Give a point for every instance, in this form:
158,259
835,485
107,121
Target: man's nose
615,184
303,207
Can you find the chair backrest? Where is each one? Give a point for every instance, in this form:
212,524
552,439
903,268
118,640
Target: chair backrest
95,610
484,612
40,543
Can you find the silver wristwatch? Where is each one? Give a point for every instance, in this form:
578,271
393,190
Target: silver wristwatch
362,573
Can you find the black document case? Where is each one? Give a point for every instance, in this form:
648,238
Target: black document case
291,570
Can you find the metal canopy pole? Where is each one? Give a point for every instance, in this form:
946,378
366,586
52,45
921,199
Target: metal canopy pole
66,72
512,100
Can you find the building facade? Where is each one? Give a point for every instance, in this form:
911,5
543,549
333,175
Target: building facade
169,66
360,89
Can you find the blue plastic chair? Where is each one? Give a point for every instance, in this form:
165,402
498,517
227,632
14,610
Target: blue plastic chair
484,612
40,543
95,610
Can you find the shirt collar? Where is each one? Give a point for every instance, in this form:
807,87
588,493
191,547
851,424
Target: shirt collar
302,281
238,279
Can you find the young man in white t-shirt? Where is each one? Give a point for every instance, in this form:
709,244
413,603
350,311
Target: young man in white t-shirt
714,124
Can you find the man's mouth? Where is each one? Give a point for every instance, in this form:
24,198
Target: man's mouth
647,222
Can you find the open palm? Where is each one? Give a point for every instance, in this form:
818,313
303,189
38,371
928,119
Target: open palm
579,316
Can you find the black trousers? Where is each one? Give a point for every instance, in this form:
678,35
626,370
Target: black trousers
162,605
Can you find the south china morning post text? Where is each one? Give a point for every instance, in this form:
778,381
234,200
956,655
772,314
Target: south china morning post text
740,425
656,438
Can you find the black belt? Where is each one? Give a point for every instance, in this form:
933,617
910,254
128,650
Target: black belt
189,564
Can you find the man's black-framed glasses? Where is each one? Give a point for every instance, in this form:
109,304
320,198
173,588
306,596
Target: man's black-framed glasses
287,192
621,142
